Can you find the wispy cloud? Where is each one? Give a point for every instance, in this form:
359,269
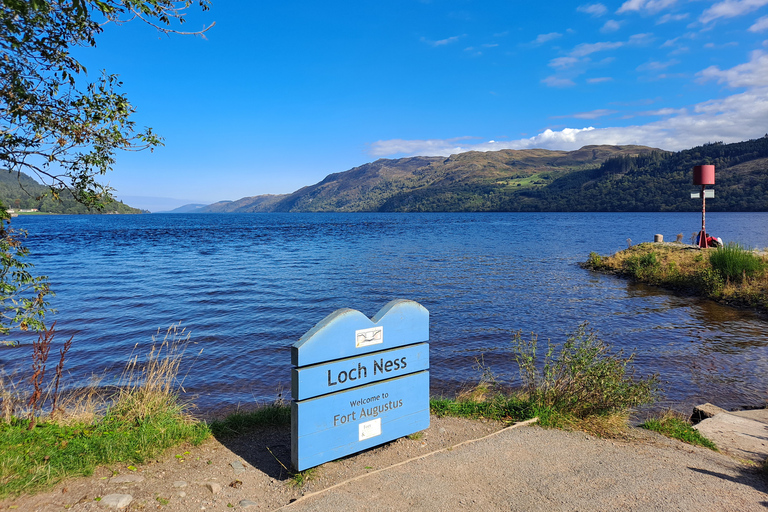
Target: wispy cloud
441,42
730,9
563,62
584,49
595,10
760,25
610,26
599,80
656,65
593,114
558,81
664,112
543,38
650,6
667,18
420,147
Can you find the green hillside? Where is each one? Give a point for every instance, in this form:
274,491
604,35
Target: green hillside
593,178
463,182
22,192
659,182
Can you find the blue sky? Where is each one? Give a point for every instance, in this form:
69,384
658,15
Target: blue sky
278,95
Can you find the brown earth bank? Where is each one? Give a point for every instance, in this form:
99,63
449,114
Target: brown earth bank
454,464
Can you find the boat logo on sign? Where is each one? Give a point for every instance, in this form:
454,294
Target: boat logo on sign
370,336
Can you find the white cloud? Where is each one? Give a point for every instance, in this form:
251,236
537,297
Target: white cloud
543,38
641,38
610,26
593,114
584,49
563,62
657,66
651,6
731,9
558,81
760,25
599,79
750,74
733,118
664,112
595,10
441,42
671,17
419,147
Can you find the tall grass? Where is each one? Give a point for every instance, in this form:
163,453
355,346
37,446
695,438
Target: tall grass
736,263
140,420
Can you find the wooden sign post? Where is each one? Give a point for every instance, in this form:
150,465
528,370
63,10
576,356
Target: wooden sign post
359,382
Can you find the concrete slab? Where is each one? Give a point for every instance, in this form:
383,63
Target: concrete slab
760,415
737,435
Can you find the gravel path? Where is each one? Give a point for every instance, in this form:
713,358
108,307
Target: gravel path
455,464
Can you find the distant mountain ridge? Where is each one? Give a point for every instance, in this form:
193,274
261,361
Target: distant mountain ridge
381,185
21,192
593,178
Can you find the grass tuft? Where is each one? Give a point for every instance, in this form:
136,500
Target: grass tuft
673,425
735,263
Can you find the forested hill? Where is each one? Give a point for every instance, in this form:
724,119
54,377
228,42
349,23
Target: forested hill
22,192
593,178
472,181
659,181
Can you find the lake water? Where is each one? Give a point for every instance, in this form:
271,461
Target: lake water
248,286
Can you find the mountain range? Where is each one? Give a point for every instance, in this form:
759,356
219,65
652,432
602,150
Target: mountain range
593,178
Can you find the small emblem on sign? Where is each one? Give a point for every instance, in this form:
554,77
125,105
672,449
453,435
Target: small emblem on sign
371,336
369,429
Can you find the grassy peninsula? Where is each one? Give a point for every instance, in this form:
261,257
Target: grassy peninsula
731,274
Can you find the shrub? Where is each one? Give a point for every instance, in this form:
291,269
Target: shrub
582,377
735,263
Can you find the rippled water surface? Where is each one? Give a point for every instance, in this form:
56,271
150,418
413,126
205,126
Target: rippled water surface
248,286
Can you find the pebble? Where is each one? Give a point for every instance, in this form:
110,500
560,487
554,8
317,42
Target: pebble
237,466
116,501
179,484
248,503
214,487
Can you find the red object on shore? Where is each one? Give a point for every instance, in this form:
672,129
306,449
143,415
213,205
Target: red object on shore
704,175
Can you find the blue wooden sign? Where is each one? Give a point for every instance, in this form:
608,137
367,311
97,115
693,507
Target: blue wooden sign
359,382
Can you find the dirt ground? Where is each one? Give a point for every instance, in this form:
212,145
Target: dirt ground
525,468
265,455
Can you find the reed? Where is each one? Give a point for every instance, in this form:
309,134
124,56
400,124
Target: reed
142,418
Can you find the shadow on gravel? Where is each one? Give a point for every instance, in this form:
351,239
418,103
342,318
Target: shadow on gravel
754,478
267,449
